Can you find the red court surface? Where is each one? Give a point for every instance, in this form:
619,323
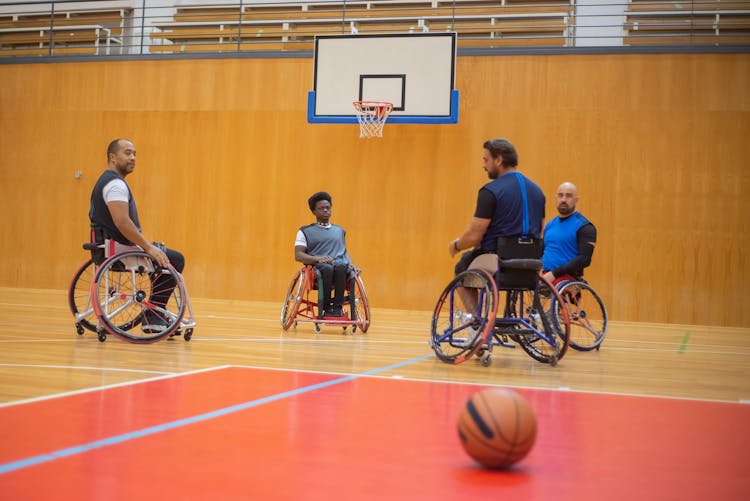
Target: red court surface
298,435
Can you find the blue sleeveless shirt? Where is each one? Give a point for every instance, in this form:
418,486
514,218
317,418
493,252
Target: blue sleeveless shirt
560,240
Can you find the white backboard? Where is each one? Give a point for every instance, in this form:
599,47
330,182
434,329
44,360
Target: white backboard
415,72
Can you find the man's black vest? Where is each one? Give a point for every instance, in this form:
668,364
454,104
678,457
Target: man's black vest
102,224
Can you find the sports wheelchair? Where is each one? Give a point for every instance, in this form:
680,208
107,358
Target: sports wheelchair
588,316
300,306
111,293
465,321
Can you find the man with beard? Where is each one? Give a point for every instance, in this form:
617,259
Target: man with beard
569,239
511,205
114,217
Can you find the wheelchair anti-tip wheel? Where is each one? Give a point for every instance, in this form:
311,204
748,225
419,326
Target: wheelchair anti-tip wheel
464,316
540,335
129,289
588,316
79,298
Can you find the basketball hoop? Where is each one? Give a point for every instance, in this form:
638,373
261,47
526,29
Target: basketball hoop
371,116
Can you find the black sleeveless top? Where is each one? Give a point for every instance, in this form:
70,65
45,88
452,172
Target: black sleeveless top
99,216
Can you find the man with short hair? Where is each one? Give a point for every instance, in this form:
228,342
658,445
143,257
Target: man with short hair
113,215
569,239
323,245
510,205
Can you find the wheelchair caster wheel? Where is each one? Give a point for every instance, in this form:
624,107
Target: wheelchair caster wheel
354,329
317,328
188,334
553,361
294,324
101,336
79,329
485,359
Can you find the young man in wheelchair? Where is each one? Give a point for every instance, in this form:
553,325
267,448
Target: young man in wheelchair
569,239
323,245
114,216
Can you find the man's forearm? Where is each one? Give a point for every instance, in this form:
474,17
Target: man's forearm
129,231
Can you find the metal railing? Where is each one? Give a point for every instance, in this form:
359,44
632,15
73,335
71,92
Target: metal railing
140,27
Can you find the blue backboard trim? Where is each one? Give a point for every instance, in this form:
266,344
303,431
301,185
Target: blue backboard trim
397,119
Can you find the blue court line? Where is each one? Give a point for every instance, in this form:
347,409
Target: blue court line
78,449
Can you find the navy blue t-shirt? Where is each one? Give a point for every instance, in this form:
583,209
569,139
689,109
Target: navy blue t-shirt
502,201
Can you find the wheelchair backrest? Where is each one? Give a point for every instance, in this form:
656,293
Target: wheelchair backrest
519,262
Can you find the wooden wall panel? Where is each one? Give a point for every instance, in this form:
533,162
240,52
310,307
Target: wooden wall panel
657,145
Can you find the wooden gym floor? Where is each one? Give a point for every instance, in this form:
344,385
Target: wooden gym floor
248,411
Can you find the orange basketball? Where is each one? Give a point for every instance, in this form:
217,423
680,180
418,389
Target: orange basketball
497,427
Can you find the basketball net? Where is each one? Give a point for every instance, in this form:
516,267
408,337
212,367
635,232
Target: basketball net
371,116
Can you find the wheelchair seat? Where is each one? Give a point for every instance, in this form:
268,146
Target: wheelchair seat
520,260
516,265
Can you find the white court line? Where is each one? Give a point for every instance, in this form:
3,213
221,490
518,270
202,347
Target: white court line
109,386
37,340
333,373
691,351
27,327
86,368
670,343
25,305
364,341
561,389
402,327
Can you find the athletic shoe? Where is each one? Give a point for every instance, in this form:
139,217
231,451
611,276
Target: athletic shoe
335,312
153,324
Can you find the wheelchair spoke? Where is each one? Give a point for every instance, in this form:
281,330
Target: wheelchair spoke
588,317
129,288
120,308
462,315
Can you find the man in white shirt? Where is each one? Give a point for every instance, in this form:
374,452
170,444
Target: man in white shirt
323,245
113,215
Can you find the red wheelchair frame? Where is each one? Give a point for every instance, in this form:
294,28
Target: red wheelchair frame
299,306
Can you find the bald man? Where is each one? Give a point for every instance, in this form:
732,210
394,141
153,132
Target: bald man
569,239
114,216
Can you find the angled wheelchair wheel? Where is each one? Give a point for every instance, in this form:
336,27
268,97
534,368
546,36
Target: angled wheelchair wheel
361,308
292,300
539,333
130,289
79,298
588,316
464,316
